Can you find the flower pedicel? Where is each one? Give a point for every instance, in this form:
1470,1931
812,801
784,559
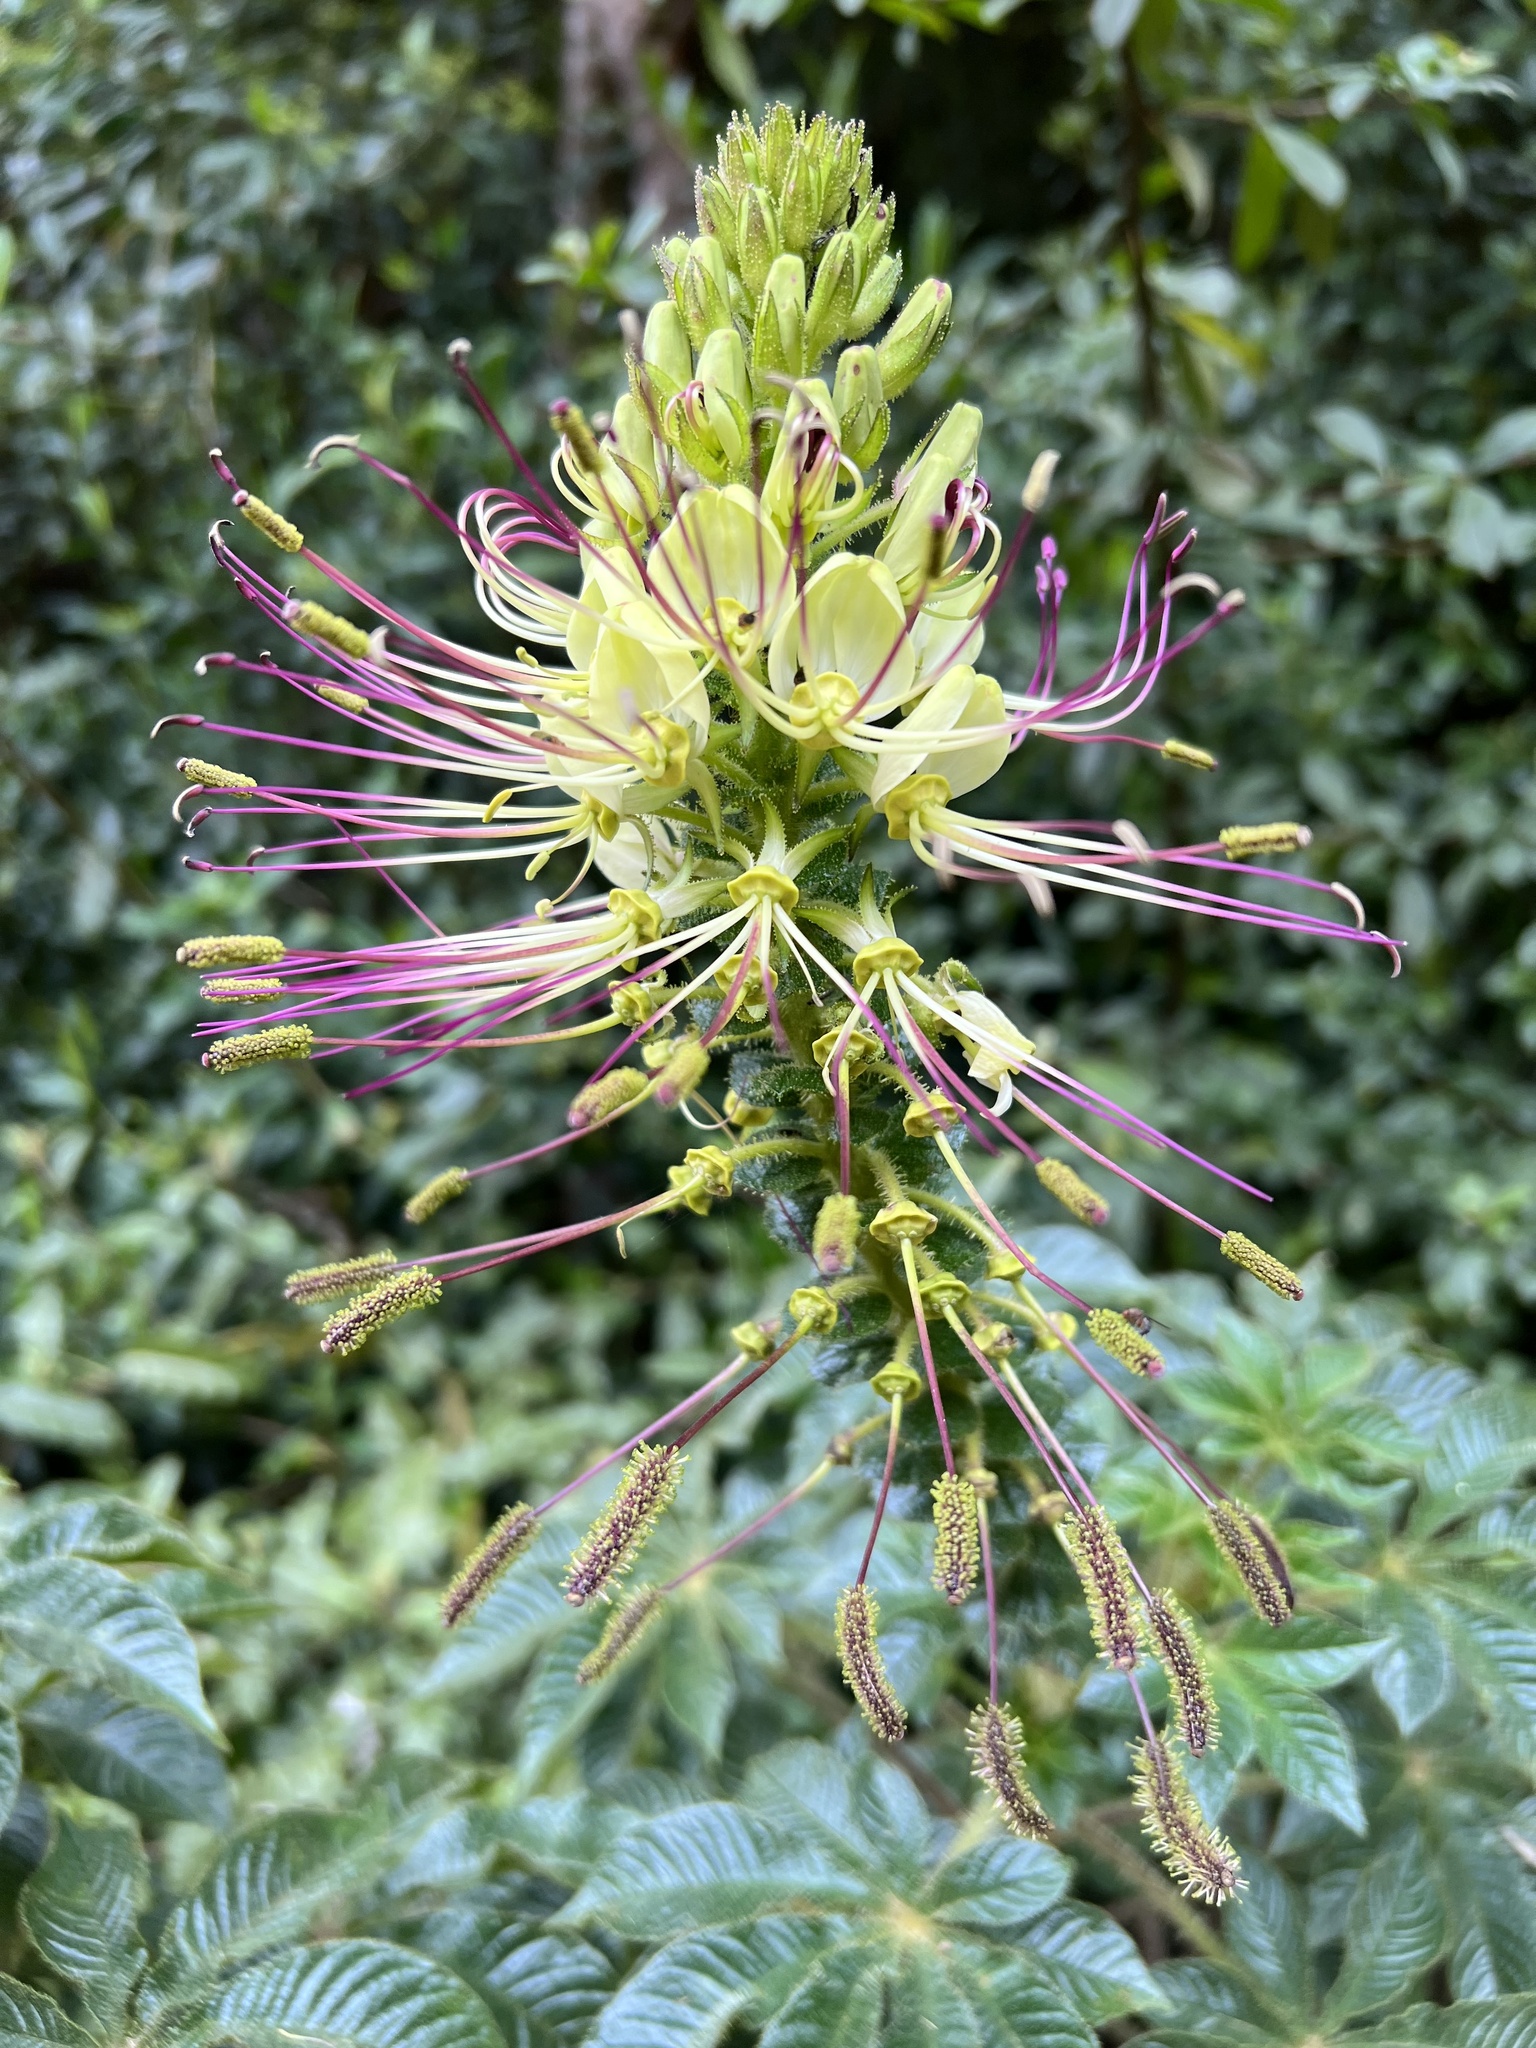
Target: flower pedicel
766,654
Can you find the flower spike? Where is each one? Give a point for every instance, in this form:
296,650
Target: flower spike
615,1539
509,1537
1200,1859
996,1744
858,1614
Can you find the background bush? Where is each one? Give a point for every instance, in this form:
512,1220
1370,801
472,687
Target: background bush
1278,260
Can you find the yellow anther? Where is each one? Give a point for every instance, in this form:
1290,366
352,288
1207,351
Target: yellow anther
209,775
642,913
902,1222
502,796
1192,757
897,1378
1238,841
886,956
320,624
763,885
814,1311
910,799
682,1067
232,988
280,531
344,700
942,1290
926,1119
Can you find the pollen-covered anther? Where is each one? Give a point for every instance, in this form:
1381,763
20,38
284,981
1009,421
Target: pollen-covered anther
439,1191
903,1222
858,1616
1037,485
1093,1543
344,700
1263,1265
1071,1190
605,1097
1192,757
956,1538
611,1545
259,1048
889,955
209,775
910,801
235,988
763,885
1182,1656
1250,1549
571,423
813,1311
280,531
232,949
1199,1858
927,1119
509,1536
341,1276
1239,841
625,1626
351,1327
1112,1333
704,1176
305,616
996,1744
835,1238
681,1070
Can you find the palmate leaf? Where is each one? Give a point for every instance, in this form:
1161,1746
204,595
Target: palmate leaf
102,1526
28,2019
495,1939
152,1763
840,2003
1093,1962
346,1994
1263,1928
1479,2023
1301,1741
865,1816
81,1908
76,1616
996,1883
689,1992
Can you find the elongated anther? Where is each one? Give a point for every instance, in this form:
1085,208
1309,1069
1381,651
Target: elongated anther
209,775
259,1048
443,1188
320,624
1192,757
1072,1191
1263,1265
1138,1354
996,1744
835,1238
351,1327
508,1537
1093,1543
615,1539
233,949
344,700
341,1276
1251,1550
858,1616
605,1097
1239,841
625,1626
1182,1655
280,531
956,1538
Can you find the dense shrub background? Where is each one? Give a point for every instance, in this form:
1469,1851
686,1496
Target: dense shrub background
1277,259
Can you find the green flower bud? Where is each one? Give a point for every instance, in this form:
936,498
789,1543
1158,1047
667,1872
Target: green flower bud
950,452
737,154
777,145
835,1239
873,227
701,289
758,241
727,395
665,357
875,296
834,295
864,420
716,211
845,157
778,340
800,199
916,335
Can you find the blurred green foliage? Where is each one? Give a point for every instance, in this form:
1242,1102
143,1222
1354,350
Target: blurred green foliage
1278,259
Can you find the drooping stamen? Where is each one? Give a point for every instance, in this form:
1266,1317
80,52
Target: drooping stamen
858,1615
351,1327
1093,1543
324,1283
1199,1858
507,1539
443,1188
1072,1191
1256,1557
956,1538
1192,757
1263,1265
1112,1333
625,1626
1182,1656
615,1539
996,1744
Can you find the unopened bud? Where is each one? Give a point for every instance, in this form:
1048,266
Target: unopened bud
1037,485
881,277
800,198
1112,1333
259,1048
666,361
233,949
344,700
615,1539
916,335
320,624
1239,841
509,1537
778,336
351,1327
342,1276
1192,757
1182,1657
1199,1858
858,399
1071,1190
442,1189
1093,1543
956,1539
813,1310
1263,1265
835,1239
858,1616
280,531
839,274
234,988
996,1744
626,1625
209,775
605,1097
758,241
1256,1557
701,289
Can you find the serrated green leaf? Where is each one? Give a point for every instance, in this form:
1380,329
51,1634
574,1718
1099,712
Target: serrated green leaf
997,1882
840,2003
152,1763
1263,1928
1014,2009
1395,1929
698,1684
553,1709
348,1994
1481,2023
703,1866
865,1816
28,2018
81,1907
103,1526
10,1763
81,1423
1497,1659
1490,1903
1303,1743
1414,1674
1093,1961
76,1616
688,1993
